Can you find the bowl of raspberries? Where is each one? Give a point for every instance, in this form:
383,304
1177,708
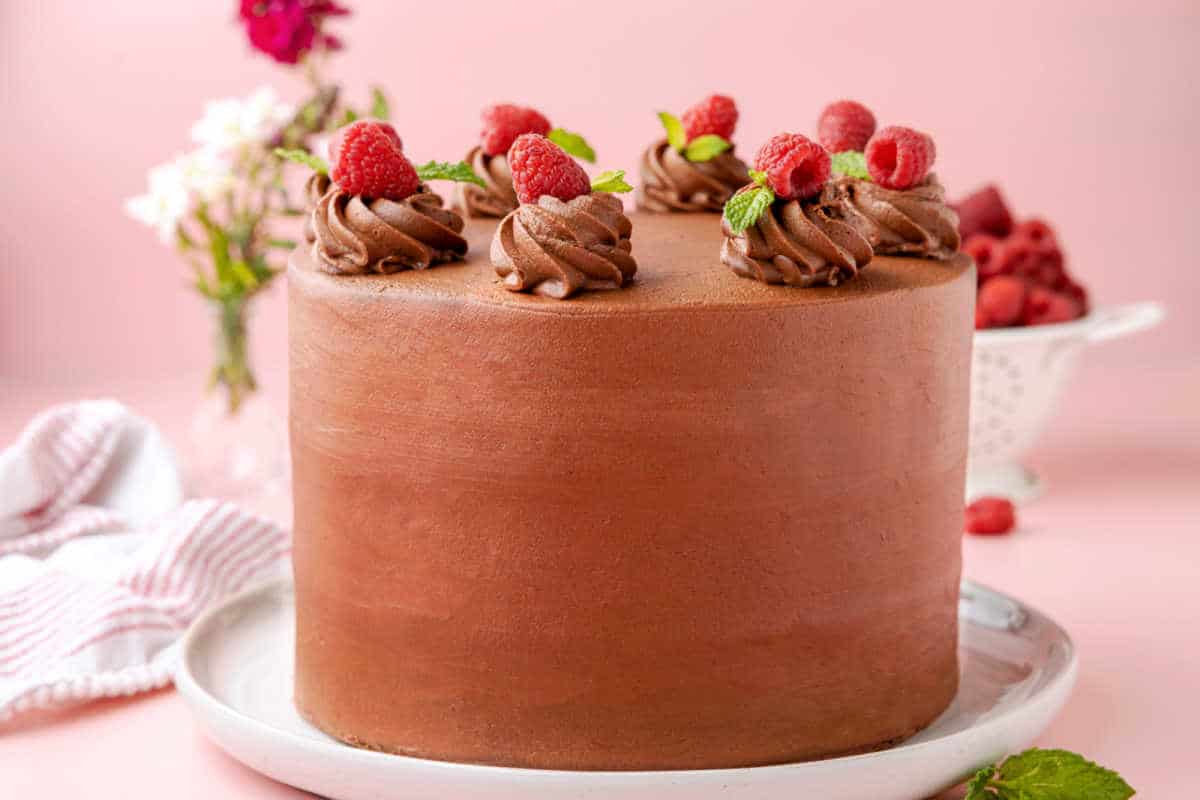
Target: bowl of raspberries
1033,319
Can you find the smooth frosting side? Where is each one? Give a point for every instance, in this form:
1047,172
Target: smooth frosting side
498,198
558,249
314,189
672,183
797,244
908,222
354,235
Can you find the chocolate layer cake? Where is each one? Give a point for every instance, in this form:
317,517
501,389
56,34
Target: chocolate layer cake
700,521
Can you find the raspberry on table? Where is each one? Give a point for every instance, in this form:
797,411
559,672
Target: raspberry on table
845,125
504,122
899,158
540,167
990,516
715,114
1036,231
796,166
984,212
1000,300
367,161
1045,306
983,248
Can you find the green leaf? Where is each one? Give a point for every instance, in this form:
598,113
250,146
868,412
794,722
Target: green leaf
676,137
1057,775
446,171
758,177
244,275
977,786
745,207
573,144
379,104
850,163
706,147
611,181
304,157
348,116
282,244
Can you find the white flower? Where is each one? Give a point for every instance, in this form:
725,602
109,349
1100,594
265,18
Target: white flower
166,202
206,172
230,125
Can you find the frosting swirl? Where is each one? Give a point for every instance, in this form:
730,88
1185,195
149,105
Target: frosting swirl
672,183
354,235
798,244
316,187
498,198
557,249
908,222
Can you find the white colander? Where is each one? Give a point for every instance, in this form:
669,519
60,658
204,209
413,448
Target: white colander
1016,378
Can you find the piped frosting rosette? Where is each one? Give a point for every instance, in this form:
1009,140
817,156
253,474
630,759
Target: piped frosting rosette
694,167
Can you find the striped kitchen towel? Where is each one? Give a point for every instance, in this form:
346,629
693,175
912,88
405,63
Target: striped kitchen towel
101,567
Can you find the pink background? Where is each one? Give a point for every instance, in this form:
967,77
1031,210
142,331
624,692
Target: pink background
1086,116
1087,113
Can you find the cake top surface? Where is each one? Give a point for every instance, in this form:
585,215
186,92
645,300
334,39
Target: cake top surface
679,266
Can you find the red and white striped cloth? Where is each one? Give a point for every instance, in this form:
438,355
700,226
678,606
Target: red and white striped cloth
101,568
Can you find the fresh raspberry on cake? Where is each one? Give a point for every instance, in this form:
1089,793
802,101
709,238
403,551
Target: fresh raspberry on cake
540,167
1000,301
796,167
845,125
899,158
504,122
715,114
367,160
990,516
984,212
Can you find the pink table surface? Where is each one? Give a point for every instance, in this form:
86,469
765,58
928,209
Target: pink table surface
1112,551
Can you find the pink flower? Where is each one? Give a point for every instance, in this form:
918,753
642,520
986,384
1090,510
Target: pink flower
287,29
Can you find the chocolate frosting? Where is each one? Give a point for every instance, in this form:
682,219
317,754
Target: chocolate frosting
672,183
798,244
498,198
557,249
318,184
909,222
354,235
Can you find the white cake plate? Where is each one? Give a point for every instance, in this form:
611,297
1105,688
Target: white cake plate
1018,667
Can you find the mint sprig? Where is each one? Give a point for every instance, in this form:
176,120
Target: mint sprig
850,163
316,163
573,144
612,180
744,208
706,147
1047,775
676,135
446,171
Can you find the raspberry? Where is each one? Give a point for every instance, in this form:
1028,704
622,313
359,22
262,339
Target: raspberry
540,167
1000,300
1045,307
504,122
845,125
990,515
335,141
984,212
899,158
368,161
715,114
1074,291
796,166
1036,231
983,249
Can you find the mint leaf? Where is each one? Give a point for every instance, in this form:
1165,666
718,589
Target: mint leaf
611,181
850,163
706,147
758,177
446,171
303,157
977,786
676,137
379,104
573,144
1057,775
745,207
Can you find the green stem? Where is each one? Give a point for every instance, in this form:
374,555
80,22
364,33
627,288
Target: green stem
232,369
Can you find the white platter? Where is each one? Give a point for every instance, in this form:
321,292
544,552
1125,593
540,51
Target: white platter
1018,667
